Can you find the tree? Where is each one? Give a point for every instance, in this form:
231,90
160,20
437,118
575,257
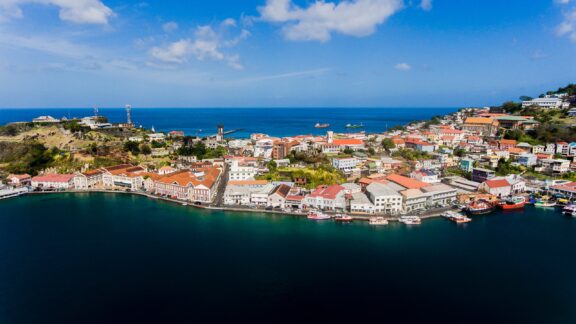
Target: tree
348,151
511,107
525,98
371,151
388,144
145,149
132,147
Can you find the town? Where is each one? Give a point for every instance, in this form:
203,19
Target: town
476,159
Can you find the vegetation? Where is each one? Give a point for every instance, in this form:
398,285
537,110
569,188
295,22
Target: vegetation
388,144
412,155
15,129
200,151
323,174
314,157
505,167
28,157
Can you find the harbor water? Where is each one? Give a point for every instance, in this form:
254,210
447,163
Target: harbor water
106,258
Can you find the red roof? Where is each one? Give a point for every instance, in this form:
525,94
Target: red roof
327,192
19,176
348,141
294,198
54,178
406,182
497,183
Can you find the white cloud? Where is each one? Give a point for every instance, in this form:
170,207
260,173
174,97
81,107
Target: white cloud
403,67
562,1
568,26
207,44
170,26
426,5
320,19
76,11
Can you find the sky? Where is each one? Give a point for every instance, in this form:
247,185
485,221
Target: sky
283,53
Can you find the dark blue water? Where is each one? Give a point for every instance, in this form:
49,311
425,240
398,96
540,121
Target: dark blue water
115,259
275,122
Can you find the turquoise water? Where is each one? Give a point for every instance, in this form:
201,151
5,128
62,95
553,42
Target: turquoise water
103,258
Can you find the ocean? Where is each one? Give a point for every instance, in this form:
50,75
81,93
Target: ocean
104,258
274,121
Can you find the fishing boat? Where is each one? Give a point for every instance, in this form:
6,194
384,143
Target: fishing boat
355,125
343,218
545,203
512,203
480,207
410,220
318,125
378,221
317,215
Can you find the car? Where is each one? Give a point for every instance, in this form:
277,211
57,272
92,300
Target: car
269,208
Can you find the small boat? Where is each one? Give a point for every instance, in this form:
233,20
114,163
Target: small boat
457,217
184,204
480,207
545,203
355,125
570,209
512,203
410,220
377,221
561,202
317,215
343,218
318,125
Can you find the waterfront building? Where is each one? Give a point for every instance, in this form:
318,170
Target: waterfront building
237,195
385,198
259,196
294,201
414,200
54,182
440,194
407,183
19,180
498,187
88,179
277,198
123,176
326,198
198,185
360,204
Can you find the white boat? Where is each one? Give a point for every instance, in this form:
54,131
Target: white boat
410,220
378,221
9,192
318,215
569,210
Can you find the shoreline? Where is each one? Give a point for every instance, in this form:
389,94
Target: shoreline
434,214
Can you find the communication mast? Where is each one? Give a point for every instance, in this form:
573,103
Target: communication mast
95,111
128,117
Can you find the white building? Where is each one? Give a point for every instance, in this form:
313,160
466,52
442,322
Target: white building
239,172
345,165
263,148
385,199
548,103
54,182
360,204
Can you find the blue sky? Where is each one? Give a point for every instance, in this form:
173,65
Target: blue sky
283,53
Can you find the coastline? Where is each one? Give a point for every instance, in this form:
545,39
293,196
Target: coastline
431,215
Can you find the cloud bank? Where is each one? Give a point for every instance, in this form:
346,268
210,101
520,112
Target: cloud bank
318,21
75,11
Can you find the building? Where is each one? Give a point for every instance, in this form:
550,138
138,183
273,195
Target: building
440,194
89,179
414,200
241,171
346,165
467,164
385,199
499,188
19,180
326,198
198,185
54,182
481,125
554,166
360,204
123,176
45,119
527,159
426,176
481,175
547,103
277,198
237,195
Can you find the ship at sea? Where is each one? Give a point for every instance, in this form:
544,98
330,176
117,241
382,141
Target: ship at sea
318,125
355,125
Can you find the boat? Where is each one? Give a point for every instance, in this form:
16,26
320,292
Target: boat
456,217
410,220
480,207
570,209
561,202
378,221
512,203
545,202
355,125
318,125
343,218
317,215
